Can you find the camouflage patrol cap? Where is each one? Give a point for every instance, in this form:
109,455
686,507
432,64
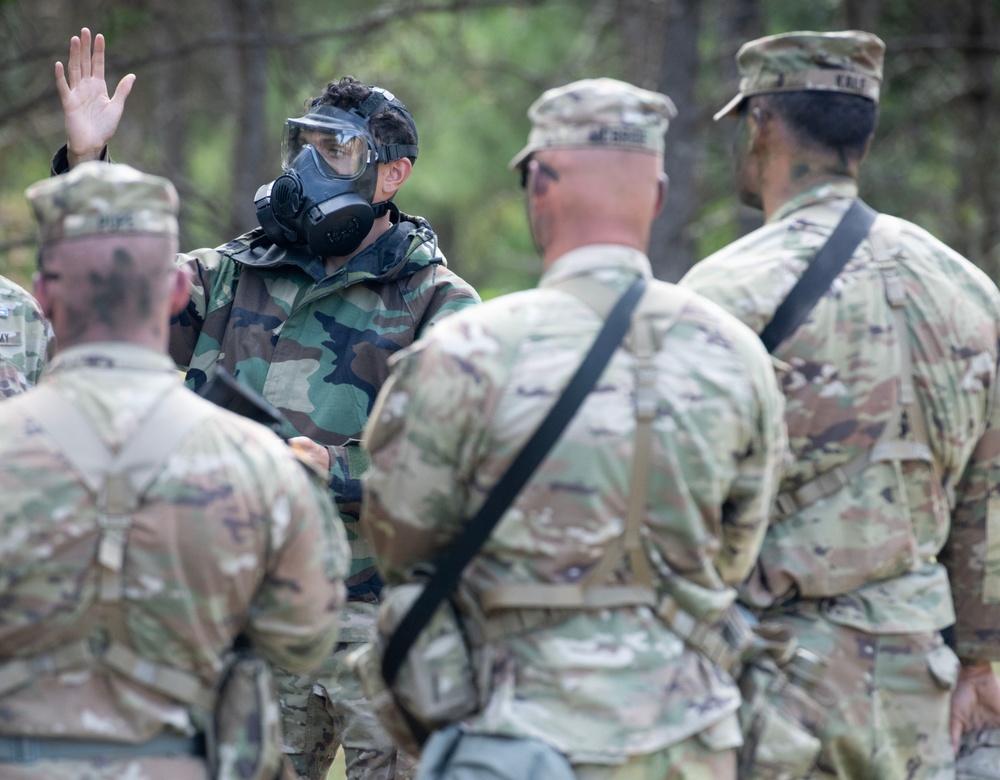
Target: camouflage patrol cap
848,61
99,198
597,112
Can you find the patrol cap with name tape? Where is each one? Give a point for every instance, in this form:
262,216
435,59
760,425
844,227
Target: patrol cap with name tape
848,61
600,112
99,198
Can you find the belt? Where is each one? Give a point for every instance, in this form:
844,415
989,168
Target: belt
26,750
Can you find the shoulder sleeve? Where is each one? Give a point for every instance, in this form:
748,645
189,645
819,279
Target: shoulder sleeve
296,611
422,437
972,552
212,286
748,507
438,294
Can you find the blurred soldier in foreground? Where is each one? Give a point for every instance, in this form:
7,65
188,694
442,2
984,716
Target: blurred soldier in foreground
881,538
599,682
144,528
307,309
25,339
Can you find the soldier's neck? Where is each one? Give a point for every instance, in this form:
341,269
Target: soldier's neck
801,170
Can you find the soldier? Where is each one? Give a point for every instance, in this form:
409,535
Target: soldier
892,420
25,339
145,528
308,316
614,691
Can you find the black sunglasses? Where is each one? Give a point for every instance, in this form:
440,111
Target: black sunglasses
542,168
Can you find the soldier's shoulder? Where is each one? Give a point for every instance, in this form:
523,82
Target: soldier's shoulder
14,299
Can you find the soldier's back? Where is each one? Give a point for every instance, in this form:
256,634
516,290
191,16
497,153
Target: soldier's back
230,536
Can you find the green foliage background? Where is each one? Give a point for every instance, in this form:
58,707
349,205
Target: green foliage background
468,70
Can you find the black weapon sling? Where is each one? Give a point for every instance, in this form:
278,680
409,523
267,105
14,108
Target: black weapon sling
452,562
819,275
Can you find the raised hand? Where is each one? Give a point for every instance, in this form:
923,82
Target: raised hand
91,116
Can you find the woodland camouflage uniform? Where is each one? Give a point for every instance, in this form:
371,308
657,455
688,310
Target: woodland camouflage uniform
871,573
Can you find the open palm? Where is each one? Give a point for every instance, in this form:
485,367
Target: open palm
91,115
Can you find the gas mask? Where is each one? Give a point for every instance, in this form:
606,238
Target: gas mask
323,200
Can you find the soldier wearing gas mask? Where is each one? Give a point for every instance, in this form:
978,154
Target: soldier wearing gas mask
324,199
307,309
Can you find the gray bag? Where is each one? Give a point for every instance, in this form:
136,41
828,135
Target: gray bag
451,754
979,756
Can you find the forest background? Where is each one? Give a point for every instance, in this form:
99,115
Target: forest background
217,78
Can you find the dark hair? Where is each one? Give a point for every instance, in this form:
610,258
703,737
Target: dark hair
389,126
833,120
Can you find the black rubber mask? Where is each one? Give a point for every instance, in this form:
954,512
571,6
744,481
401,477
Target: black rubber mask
323,200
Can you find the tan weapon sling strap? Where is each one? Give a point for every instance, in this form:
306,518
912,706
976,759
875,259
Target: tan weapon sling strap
118,481
515,608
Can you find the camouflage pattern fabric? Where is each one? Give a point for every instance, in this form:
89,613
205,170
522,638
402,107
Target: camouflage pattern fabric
146,769
891,703
849,61
233,535
880,553
317,345
605,685
328,710
25,339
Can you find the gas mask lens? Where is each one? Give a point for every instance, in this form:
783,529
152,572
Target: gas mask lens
343,153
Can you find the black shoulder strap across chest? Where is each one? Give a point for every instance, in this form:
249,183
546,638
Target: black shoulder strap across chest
452,562
820,273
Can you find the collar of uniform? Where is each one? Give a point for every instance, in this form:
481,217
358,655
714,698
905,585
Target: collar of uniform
821,193
604,260
110,354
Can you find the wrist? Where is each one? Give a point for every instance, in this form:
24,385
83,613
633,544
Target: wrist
74,157
974,667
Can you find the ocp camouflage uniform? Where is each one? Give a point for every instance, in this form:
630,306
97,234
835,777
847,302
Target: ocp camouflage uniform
25,339
863,574
232,536
604,685
316,345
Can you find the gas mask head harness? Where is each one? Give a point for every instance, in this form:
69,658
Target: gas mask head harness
323,200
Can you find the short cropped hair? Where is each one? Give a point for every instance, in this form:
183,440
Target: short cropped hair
833,120
388,126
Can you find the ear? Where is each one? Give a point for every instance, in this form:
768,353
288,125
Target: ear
180,291
662,186
40,289
393,174
759,122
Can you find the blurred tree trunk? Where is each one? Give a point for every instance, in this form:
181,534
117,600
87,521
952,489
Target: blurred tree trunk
978,211
661,41
743,22
253,161
862,14
169,125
